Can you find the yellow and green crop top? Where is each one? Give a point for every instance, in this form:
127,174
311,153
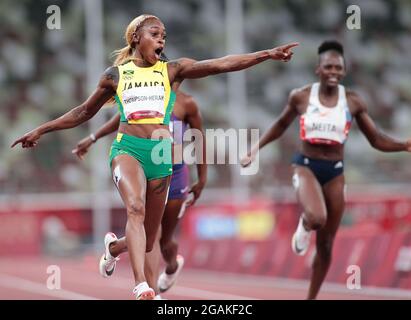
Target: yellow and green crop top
144,95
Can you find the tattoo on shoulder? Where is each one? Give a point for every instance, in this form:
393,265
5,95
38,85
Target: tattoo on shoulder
174,64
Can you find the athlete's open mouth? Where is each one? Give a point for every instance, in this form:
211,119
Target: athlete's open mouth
158,51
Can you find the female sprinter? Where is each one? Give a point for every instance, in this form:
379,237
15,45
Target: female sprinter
326,110
140,157
185,113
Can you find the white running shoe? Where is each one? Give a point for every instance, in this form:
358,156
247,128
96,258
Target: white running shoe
166,281
301,239
107,261
143,292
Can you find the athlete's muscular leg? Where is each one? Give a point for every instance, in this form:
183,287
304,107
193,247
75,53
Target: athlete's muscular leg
155,203
152,264
310,197
169,247
157,191
132,188
334,199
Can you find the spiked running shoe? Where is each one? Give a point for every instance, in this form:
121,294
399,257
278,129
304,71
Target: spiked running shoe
166,281
301,239
143,292
107,261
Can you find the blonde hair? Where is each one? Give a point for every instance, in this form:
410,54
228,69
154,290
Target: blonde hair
126,53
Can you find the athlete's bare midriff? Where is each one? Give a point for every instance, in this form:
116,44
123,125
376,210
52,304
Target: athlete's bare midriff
322,151
146,131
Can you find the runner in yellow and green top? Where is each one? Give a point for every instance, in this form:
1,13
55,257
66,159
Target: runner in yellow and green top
144,96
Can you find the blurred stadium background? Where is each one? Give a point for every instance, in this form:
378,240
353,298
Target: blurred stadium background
55,207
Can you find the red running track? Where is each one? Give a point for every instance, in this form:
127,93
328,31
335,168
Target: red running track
26,279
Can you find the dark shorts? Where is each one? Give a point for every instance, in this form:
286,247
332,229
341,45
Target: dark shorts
324,170
179,182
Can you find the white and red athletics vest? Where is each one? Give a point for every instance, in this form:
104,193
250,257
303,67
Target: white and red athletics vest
323,125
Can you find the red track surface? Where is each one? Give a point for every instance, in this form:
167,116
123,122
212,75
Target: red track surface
26,278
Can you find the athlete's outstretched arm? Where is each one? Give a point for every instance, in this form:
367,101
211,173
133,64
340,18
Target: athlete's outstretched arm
193,118
375,137
76,116
109,127
277,128
190,69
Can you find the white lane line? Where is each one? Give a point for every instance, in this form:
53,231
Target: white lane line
236,279
12,282
122,282
296,284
